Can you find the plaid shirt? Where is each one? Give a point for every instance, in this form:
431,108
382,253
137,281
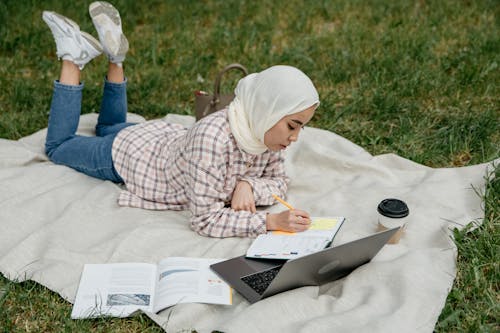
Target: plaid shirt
167,166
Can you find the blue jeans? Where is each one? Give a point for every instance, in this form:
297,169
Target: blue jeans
90,155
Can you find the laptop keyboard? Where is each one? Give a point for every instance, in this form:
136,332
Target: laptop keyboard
260,281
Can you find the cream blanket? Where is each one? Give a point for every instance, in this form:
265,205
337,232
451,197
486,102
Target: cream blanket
53,220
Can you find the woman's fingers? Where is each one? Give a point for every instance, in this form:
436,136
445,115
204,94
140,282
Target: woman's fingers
301,217
299,221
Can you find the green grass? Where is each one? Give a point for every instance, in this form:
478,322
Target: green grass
416,78
473,304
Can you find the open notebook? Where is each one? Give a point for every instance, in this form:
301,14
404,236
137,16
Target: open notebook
288,245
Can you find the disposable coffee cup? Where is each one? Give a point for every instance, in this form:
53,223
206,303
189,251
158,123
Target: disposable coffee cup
393,213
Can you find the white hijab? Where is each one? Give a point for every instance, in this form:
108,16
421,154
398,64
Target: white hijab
262,99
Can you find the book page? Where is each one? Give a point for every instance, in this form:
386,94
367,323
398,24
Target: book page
189,280
289,245
115,290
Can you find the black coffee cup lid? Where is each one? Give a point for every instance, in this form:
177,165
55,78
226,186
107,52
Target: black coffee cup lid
394,208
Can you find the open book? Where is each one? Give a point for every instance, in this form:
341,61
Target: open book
120,289
289,245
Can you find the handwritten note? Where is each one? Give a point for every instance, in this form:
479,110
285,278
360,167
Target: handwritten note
323,224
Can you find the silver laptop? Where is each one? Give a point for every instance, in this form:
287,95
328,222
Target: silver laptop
256,279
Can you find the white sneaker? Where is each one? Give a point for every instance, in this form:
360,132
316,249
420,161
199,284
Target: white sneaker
72,44
108,24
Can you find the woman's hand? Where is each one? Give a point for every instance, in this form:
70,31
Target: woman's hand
243,197
289,220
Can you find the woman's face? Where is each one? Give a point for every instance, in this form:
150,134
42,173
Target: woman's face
286,131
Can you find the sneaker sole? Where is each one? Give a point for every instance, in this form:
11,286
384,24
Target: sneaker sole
101,10
117,47
101,7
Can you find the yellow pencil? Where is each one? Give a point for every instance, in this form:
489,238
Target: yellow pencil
282,201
